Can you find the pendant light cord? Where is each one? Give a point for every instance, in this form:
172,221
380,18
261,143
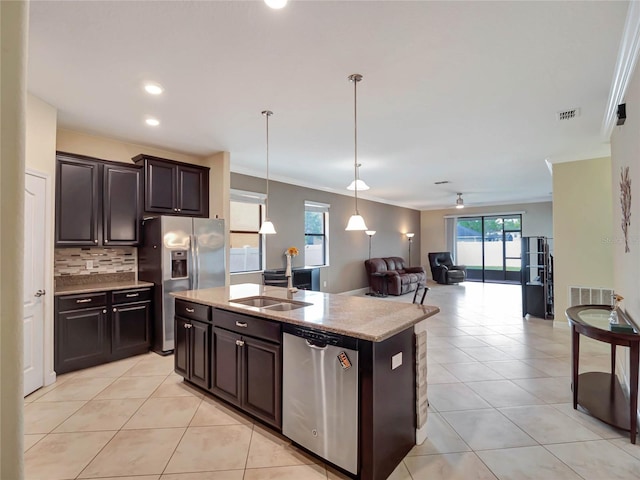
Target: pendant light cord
267,113
355,78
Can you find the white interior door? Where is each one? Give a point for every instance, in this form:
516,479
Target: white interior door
34,280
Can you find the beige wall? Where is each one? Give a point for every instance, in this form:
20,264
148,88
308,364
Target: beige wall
625,152
40,159
347,250
536,221
14,28
582,226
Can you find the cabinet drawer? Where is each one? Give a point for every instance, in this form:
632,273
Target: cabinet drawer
246,325
76,302
129,296
193,311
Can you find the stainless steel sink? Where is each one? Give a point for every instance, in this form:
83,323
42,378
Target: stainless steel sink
270,303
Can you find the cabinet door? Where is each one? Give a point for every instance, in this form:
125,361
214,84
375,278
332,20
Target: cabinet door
130,329
121,205
262,380
160,187
181,348
199,348
77,202
193,191
82,339
226,365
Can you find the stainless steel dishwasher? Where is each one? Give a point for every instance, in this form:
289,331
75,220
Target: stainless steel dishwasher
320,394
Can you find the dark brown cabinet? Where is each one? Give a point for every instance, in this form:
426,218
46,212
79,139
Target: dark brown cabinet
174,188
97,202
95,328
226,365
192,350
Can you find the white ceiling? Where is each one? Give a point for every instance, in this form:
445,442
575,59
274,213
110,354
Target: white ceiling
461,91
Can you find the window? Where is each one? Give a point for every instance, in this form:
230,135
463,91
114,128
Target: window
245,249
316,244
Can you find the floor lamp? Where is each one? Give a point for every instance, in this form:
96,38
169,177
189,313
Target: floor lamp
410,237
370,234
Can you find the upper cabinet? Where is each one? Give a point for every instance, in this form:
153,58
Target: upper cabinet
174,188
98,203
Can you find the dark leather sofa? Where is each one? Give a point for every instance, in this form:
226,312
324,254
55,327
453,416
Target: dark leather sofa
391,276
444,271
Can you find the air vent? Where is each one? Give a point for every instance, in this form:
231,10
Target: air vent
568,114
589,296
441,182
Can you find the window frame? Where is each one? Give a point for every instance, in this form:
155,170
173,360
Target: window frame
252,198
323,208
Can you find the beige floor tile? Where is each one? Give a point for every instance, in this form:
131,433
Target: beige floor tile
485,354
554,367
298,472
131,387
504,393
526,463
461,341
77,389
98,415
436,373
455,396
43,417
112,369
448,355
63,455
550,390
136,477
592,423
555,349
31,439
522,352
547,425
269,449
450,466
478,331
441,438
153,365
627,446
400,473
597,460
175,386
212,412
60,379
487,430
211,448
513,369
135,452
444,331
164,413
472,372
225,475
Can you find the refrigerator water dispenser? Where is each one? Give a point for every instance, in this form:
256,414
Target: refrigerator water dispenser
179,264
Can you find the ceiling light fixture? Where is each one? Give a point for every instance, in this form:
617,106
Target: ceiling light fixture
459,201
356,222
152,122
276,4
361,184
153,88
267,227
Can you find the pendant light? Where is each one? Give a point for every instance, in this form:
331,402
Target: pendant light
267,227
459,201
361,184
356,222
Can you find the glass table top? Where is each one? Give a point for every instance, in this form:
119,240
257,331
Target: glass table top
599,318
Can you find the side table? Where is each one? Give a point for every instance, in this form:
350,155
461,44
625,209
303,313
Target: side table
600,393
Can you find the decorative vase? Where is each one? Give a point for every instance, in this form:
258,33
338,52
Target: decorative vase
287,272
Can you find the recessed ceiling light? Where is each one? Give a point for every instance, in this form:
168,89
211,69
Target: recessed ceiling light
152,122
276,4
153,88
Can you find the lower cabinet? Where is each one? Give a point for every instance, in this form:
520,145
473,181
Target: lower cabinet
95,328
247,373
192,347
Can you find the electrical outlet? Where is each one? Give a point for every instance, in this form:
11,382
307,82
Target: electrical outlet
89,264
324,284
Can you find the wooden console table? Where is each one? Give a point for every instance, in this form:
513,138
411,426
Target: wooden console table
600,393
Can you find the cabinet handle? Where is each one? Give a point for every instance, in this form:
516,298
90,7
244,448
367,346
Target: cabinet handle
175,209
95,241
84,300
106,241
241,324
130,295
239,343
190,310
187,325
104,311
179,209
115,309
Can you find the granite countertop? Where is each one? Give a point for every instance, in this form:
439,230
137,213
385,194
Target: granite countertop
365,318
101,287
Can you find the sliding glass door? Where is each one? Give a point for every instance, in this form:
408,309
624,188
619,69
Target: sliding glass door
490,247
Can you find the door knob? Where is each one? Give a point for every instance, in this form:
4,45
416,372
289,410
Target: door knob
39,293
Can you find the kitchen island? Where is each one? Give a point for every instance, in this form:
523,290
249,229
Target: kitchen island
235,342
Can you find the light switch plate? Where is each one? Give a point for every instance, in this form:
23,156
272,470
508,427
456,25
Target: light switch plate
396,361
89,264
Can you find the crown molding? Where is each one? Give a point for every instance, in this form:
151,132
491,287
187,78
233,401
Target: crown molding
625,65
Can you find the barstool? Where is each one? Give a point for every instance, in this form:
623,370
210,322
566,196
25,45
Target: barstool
421,286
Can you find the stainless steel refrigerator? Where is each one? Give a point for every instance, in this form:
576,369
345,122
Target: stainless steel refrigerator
179,253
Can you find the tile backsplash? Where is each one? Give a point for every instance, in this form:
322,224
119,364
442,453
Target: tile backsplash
94,260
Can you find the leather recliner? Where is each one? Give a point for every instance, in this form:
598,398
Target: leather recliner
391,276
444,271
